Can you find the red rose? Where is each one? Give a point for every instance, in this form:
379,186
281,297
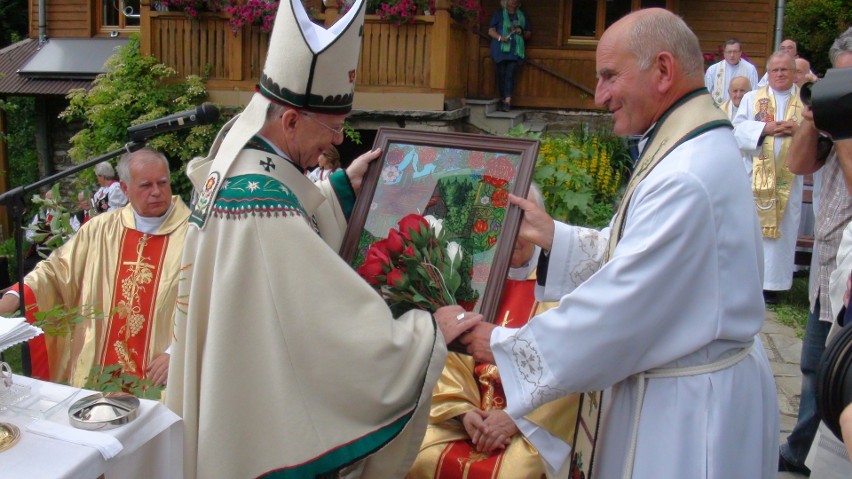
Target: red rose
412,222
395,156
371,271
381,245
499,171
476,160
395,278
480,226
409,251
394,242
378,255
426,155
492,240
500,198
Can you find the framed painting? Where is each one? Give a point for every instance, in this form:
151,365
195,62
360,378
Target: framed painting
463,180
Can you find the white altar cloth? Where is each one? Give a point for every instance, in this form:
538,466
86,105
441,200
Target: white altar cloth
153,445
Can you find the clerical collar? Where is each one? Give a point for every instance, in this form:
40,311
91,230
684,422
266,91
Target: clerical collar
523,272
786,92
644,140
151,224
259,142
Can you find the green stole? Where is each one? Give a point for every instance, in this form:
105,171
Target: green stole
692,115
771,180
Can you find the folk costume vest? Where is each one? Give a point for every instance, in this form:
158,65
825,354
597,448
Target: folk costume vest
771,179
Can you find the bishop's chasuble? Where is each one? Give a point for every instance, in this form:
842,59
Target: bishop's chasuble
286,363
124,282
447,451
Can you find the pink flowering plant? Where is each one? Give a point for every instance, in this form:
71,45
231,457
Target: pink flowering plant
242,12
416,268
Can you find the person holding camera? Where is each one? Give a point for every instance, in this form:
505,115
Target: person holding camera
834,214
509,31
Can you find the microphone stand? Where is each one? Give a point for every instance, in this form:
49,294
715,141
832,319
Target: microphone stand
14,201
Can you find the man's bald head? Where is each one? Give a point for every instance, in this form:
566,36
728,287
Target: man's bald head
803,68
738,88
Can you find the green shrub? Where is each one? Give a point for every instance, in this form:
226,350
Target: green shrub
580,174
136,89
814,24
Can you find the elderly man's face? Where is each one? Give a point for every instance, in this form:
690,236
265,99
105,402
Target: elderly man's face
149,189
803,67
789,47
738,88
780,70
316,133
733,53
82,202
622,88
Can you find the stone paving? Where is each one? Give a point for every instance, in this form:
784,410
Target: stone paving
784,349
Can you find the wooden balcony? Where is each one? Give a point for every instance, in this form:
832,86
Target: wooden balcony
417,65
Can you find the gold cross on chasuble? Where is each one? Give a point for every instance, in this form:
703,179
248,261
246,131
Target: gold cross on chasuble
134,302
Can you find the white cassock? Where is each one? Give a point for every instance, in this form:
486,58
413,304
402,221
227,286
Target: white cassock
778,254
682,288
741,69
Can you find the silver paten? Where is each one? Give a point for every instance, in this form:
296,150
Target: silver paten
103,411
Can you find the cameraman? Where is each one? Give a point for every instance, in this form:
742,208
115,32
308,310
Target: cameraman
834,214
827,462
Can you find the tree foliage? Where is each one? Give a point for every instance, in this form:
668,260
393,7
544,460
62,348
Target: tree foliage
814,24
13,21
136,89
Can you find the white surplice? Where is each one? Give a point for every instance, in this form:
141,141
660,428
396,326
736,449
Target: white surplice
778,254
742,69
682,288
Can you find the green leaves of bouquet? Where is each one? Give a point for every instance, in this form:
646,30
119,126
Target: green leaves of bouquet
415,267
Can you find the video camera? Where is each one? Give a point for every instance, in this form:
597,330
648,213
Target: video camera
830,100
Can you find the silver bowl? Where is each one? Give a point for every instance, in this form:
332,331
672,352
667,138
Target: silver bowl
103,411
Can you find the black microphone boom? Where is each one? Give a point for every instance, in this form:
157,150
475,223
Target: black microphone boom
204,114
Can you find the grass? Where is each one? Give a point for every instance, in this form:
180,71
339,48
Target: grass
793,305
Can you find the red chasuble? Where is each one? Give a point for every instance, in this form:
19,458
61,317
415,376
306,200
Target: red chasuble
459,459
133,302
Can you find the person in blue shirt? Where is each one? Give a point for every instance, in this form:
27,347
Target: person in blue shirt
509,31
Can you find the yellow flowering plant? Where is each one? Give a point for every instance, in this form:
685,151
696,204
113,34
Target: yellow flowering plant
580,173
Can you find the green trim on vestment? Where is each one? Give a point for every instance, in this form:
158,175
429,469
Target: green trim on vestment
345,455
343,189
256,195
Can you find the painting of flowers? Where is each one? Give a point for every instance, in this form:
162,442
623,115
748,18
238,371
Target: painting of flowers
460,181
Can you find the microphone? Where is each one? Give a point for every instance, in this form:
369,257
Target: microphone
204,114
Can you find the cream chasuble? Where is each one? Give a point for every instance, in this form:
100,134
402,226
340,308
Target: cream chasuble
286,363
680,288
123,281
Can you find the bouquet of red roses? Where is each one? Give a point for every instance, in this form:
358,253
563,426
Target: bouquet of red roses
416,268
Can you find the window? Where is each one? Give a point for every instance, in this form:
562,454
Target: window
118,15
587,19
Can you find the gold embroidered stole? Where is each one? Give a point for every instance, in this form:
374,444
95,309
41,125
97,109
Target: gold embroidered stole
691,116
719,82
771,179
134,302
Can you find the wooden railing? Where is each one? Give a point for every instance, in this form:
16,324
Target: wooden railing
428,55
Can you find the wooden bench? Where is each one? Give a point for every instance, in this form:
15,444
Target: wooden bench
805,243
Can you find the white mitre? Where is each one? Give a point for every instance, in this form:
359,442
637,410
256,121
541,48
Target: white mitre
307,67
